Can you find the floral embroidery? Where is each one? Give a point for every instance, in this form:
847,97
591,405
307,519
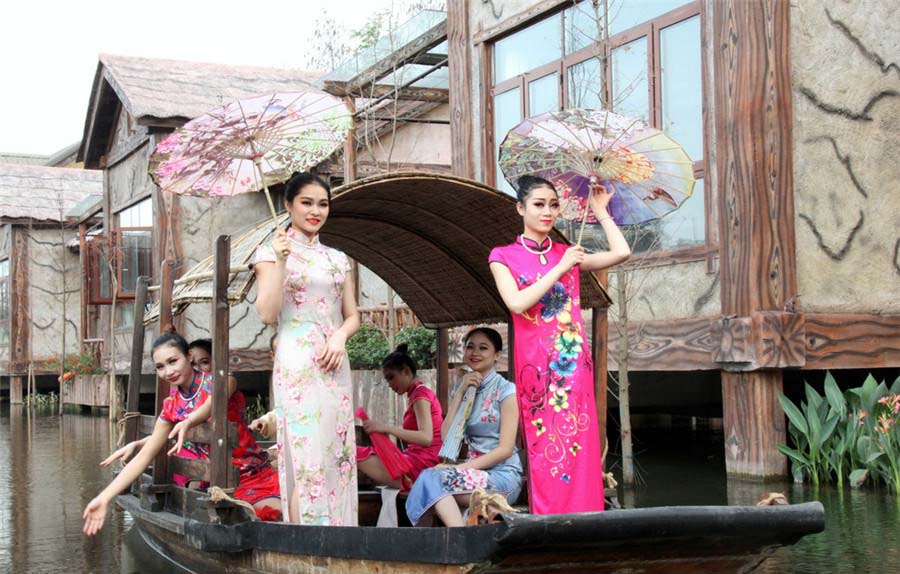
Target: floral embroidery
539,423
461,479
574,448
554,301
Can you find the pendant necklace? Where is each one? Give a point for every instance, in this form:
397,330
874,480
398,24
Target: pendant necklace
540,253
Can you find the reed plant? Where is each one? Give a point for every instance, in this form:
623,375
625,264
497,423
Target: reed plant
851,436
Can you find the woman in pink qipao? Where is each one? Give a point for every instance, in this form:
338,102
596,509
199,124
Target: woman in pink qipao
538,280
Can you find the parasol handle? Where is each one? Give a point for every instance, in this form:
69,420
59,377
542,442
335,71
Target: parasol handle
258,163
587,207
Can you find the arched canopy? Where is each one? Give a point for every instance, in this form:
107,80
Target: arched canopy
429,236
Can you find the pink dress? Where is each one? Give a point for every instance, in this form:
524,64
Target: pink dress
555,388
419,457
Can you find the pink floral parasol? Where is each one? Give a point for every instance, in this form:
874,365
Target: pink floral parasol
650,174
249,144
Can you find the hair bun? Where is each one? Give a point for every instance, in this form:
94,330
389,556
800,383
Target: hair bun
403,349
169,328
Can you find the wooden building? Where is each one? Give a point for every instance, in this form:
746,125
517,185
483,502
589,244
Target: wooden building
136,102
785,259
39,267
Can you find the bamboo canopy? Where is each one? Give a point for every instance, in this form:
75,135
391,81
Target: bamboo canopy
427,235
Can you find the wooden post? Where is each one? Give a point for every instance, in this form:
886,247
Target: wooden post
599,349
132,422
756,212
15,390
220,450
443,367
459,65
161,473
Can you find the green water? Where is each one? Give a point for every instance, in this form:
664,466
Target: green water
48,472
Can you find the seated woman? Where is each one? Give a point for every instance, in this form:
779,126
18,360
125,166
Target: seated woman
492,462
421,428
190,389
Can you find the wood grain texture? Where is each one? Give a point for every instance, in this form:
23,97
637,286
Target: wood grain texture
754,423
220,446
671,345
137,357
536,12
19,304
459,55
844,341
756,212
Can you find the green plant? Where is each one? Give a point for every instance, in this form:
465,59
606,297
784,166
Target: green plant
853,435
40,400
422,344
255,409
367,348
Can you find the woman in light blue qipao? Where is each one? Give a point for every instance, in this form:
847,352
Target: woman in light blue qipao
492,462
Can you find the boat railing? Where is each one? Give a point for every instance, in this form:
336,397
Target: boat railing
161,493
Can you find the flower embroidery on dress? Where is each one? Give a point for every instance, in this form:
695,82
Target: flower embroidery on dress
554,301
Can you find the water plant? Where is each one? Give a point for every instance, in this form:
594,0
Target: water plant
852,435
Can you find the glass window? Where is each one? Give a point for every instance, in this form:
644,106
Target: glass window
585,85
625,14
682,103
527,49
584,25
630,88
543,95
135,257
684,227
507,114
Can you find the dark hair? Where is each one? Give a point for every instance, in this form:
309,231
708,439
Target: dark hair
527,183
173,339
204,344
299,180
399,358
492,335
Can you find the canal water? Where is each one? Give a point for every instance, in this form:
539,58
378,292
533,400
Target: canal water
49,471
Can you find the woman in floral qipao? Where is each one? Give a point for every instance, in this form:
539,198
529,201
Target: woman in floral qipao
492,462
538,280
305,287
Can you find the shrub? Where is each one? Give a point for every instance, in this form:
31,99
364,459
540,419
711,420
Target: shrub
422,344
367,348
76,364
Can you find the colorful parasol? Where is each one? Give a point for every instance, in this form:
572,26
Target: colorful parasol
249,144
394,461
650,174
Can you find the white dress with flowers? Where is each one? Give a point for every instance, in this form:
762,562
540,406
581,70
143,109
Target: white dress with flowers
314,408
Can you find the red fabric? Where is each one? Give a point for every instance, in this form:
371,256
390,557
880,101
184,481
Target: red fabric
387,451
258,480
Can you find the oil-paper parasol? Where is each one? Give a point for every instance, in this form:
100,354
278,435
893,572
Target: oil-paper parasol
650,174
394,461
248,144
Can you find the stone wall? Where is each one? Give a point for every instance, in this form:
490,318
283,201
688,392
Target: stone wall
845,67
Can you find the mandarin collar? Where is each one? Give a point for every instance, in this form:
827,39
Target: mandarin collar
302,239
534,244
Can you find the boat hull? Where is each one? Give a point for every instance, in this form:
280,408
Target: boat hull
650,541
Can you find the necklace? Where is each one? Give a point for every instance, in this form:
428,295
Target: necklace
540,253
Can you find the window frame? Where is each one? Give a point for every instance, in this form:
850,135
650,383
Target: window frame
651,29
118,234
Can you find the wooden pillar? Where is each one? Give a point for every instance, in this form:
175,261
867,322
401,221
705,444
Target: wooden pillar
161,473
600,353
756,221
137,358
219,448
442,389
459,64
15,390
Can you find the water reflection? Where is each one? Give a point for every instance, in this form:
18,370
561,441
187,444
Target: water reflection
49,469
48,472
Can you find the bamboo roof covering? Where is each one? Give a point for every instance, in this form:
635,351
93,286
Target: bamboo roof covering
45,193
427,235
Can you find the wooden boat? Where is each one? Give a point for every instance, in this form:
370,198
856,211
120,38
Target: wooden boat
720,539
185,529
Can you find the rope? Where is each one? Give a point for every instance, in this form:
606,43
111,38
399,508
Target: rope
120,426
218,494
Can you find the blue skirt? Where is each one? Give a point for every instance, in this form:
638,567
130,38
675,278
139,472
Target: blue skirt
438,482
